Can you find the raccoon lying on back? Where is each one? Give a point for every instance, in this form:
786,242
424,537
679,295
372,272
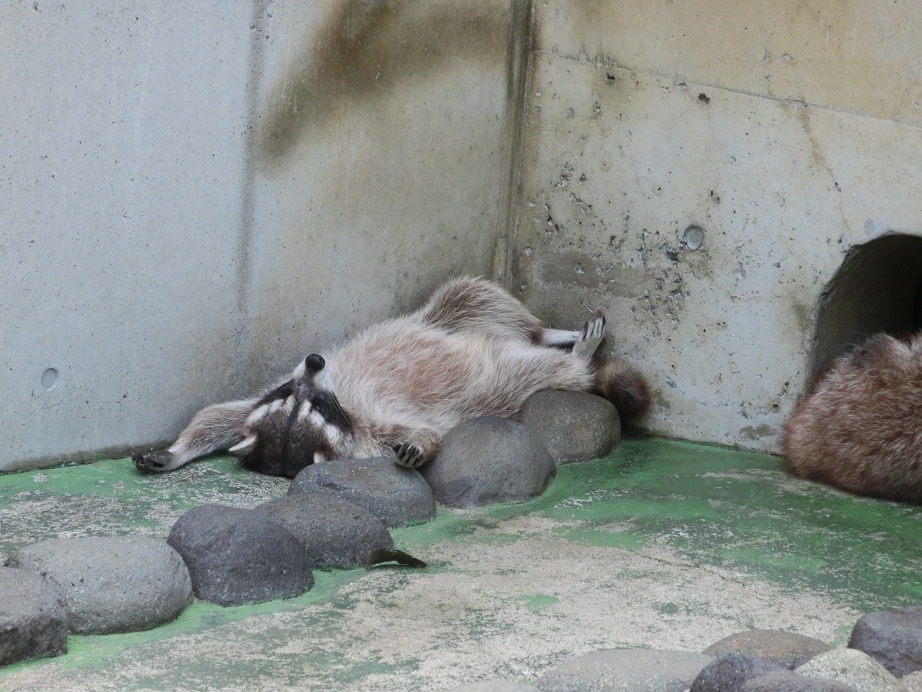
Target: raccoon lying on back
398,387
861,427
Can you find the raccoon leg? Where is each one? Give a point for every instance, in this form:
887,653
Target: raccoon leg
559,338
482,307
421,445
213,428
590,336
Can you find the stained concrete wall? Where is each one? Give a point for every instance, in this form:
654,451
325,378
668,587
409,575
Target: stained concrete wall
789,133
194,195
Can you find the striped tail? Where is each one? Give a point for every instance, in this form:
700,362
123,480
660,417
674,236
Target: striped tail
623,385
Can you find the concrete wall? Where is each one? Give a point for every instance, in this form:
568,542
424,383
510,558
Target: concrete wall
789,133
193,195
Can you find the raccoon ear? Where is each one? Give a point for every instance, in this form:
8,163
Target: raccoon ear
241,449
314,363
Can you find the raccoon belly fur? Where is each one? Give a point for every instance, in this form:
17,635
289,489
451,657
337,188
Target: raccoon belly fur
860,429
400,377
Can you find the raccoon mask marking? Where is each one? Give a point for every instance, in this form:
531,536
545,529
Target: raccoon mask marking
295,425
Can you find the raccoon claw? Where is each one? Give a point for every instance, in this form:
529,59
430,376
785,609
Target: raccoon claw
409,456
590,336
594,327
152,463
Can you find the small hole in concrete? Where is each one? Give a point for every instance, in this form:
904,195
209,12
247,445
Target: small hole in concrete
703,98
694,237
50,379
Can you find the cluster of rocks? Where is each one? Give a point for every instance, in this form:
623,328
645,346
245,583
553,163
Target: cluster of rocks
336,515
884,654
87,586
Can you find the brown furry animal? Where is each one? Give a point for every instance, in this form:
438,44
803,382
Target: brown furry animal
398,387
860,429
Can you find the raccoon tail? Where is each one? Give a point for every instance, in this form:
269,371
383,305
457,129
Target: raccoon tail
382,555
623,385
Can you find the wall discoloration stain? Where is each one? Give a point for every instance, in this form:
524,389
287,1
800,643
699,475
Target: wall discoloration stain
582,270
757,432
851,56
365,49
381,141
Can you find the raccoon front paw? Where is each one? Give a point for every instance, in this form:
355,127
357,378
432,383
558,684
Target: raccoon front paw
153,462
409,456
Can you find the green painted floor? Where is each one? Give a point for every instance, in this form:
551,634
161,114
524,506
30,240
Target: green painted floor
661,544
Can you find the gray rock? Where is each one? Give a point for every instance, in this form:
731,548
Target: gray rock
787,648
574,426
728,672
334,533
893,639
852,667
786,681
395,495
630,670
33,620
912,682
111,584
489,460
236,556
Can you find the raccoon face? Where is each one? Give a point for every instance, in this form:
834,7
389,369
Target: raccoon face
296,424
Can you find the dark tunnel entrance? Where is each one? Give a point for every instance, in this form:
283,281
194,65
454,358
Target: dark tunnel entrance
878,288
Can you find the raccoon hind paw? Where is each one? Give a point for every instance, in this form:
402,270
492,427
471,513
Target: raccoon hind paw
590,336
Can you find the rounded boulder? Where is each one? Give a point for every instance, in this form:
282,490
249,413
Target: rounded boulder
893,639
334,533
729,672
574,426
237,556
787,648
397,496
489,460
111,584
33,619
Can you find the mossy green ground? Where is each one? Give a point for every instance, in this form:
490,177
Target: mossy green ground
662,544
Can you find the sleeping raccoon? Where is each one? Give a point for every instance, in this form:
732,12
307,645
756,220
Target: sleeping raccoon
396,388
861,427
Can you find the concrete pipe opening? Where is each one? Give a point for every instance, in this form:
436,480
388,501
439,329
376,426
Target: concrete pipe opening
877,289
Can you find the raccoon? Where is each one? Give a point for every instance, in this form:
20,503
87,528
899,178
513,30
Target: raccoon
396,388
860,428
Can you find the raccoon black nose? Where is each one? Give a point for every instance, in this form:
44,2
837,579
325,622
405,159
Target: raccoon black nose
314,363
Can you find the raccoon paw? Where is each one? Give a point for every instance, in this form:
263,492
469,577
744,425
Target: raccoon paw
152,463
590,336
409,456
